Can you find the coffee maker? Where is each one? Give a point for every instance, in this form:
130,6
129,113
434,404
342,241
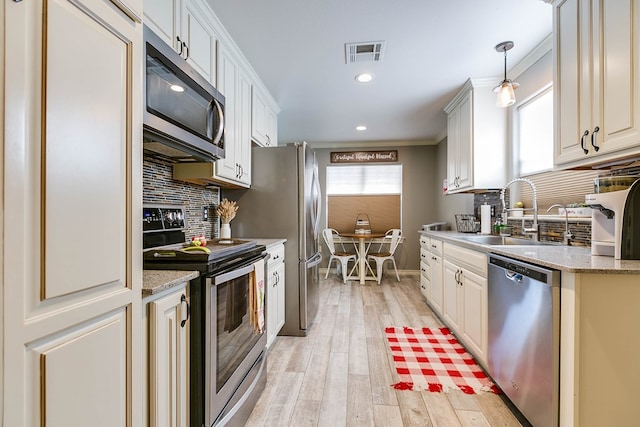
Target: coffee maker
615,217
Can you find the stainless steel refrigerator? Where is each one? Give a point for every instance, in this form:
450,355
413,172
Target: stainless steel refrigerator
285,202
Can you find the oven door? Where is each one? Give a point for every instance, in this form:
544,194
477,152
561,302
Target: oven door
233,345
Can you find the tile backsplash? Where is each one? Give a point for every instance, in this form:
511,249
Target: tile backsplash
160,187
549,230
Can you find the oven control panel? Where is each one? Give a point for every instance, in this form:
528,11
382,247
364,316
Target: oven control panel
162,218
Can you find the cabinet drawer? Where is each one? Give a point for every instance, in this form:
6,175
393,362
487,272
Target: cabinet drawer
276,255
424,255
425,269
424,242
473,260
435,246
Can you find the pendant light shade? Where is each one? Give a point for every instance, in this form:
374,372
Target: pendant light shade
506,88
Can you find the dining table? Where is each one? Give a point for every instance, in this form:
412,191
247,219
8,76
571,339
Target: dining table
362,248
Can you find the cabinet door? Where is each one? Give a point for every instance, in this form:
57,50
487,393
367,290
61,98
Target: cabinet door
453,136
168,360
451,309
460,146
572,79
72,297
272,128
236,87
272,305
276,293
437,283
474,316
280,284
243,143
617,75
465,143
201,40
425,282
228,85
264,121
163,17
259,122
596,80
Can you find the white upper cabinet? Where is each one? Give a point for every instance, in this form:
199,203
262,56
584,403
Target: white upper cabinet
264,119
185,25
597,81
235,169
476,138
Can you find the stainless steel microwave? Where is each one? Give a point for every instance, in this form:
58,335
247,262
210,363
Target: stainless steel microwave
184,114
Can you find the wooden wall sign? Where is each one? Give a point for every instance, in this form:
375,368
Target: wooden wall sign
364,156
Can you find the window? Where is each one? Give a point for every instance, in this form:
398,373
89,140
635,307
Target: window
533,157
375,190
535,133
370,179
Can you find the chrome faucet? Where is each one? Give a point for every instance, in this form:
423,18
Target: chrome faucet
533,231
566,236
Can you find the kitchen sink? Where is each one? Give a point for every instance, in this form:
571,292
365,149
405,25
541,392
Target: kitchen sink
499,240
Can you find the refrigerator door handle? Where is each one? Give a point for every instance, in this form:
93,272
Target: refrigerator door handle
318,201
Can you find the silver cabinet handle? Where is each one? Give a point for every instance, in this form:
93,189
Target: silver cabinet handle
186,50
593,138
584,135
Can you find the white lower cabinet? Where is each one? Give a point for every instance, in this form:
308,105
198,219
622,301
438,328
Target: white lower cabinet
425,270
466,298
167,326
437,282
275,291
451,310
431,268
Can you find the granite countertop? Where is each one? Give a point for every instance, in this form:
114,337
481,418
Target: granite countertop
573,259
156,281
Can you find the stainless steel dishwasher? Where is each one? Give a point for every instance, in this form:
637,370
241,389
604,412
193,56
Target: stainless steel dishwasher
524,336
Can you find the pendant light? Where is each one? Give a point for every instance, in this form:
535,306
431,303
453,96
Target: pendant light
506,88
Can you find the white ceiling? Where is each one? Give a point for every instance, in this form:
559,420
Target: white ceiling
432,47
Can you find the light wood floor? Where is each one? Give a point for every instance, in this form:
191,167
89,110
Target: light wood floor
341,374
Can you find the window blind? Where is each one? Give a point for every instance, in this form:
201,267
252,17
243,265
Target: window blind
364,179
563,187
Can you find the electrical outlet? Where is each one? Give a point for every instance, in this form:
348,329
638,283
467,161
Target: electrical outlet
205,213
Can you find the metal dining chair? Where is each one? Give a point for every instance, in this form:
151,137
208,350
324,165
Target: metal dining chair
393,238
343,257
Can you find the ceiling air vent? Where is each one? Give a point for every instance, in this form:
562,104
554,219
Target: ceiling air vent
364,51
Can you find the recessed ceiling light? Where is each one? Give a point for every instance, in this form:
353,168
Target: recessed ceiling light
361,127
364,77
177,88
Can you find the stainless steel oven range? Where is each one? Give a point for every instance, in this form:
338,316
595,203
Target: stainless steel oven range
227,369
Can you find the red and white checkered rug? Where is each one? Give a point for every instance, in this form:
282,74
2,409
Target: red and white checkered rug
433,360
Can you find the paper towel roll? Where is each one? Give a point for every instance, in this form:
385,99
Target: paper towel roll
485,219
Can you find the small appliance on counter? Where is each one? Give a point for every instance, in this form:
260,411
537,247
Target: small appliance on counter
615,226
